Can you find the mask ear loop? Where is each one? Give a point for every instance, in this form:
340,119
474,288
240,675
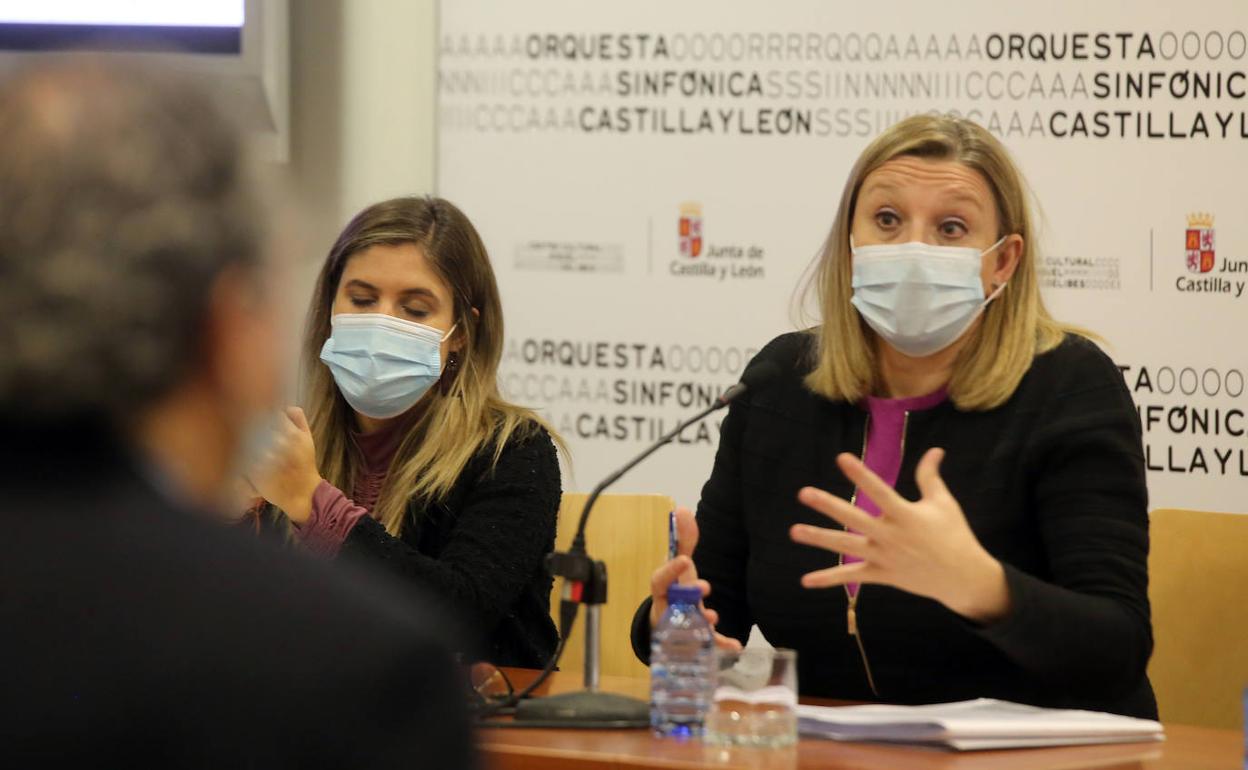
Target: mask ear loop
994,246
451,371
996,292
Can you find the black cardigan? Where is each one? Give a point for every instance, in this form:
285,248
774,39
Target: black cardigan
482,548
1052,483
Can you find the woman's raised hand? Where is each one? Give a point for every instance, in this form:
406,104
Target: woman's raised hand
925,547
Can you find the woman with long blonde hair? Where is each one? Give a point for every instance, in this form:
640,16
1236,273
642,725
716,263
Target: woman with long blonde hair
964,470
408,457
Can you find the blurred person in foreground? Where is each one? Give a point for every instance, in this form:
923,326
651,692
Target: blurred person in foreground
138,324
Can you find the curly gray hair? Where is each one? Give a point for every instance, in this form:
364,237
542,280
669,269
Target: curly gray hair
123,193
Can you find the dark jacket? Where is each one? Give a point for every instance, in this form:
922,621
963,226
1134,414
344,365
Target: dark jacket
1053,485
135,632
482,548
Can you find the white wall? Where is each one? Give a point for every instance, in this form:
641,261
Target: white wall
362,108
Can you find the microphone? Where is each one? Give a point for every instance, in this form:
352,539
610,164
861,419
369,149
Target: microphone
755,377
585,582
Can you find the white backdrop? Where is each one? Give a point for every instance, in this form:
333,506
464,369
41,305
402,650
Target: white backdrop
578,136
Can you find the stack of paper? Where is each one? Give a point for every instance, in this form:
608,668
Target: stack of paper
973,724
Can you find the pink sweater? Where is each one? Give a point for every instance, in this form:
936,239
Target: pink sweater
885,444
333,513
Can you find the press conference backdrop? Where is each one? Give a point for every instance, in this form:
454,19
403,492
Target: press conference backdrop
653,179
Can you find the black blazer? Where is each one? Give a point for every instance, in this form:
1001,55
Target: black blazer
1052,483
482,549
137,632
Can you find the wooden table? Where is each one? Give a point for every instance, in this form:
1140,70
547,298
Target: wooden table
1185,748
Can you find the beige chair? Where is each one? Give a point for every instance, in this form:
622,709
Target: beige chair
1198,572
629,533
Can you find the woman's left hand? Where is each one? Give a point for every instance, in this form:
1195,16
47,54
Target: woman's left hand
287,476
924,547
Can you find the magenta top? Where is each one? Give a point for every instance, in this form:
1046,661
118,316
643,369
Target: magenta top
333,513
885,442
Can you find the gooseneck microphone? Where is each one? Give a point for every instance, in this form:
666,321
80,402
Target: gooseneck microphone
754,378
585,582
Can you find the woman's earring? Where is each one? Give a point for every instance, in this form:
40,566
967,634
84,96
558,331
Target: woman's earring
449,373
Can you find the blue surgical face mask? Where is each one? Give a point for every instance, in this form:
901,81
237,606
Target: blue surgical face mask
383,364
920,298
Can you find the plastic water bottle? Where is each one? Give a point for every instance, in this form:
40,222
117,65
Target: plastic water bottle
682,665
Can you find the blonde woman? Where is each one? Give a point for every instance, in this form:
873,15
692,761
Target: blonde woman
944,498
409,458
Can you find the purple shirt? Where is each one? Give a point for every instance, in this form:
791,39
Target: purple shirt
885,443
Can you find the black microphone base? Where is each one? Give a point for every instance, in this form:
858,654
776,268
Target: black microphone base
591,710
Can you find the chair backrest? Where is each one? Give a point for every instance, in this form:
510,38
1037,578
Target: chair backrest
1198,573
629,533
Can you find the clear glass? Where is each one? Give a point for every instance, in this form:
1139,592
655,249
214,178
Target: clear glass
755,699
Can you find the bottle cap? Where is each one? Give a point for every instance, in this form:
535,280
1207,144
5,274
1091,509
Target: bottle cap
683,594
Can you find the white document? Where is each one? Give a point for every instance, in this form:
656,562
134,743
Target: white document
974,724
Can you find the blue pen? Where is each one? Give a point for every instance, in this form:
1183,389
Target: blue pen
673,540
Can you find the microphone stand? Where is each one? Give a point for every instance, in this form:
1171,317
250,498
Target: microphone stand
585,582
